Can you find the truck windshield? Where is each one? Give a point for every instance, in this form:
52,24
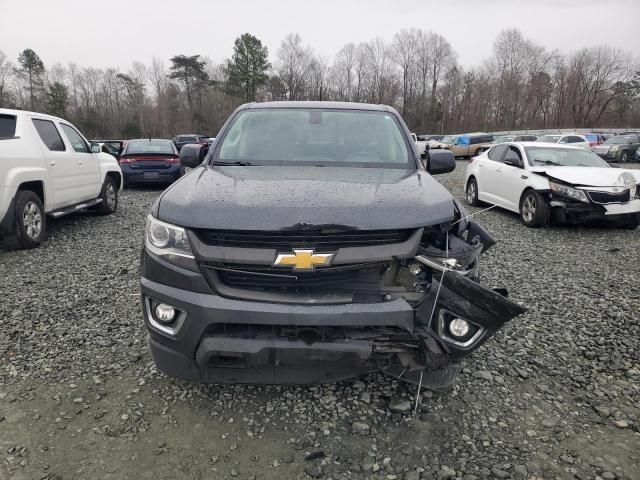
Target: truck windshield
297,136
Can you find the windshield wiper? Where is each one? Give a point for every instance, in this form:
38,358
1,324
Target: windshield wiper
547,162
241,163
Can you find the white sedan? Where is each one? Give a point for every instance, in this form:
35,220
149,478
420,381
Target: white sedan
572,139
544,181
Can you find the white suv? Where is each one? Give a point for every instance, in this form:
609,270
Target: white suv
48,168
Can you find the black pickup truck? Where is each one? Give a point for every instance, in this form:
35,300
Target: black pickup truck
312,244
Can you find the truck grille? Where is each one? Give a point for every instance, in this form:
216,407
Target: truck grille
319,240
361,282
610,197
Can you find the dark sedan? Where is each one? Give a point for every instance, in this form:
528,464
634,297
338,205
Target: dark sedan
150,161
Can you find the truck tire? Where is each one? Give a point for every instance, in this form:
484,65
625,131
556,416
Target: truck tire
30,220
109,197
534,209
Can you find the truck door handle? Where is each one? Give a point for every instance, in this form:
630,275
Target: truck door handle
52,163
498,170
524,177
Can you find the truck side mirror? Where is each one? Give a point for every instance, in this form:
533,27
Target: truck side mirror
191,155
95,147
441,161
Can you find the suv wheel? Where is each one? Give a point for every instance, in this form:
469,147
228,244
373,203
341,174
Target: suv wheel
472,192
30,221
109,197
624,158
534,209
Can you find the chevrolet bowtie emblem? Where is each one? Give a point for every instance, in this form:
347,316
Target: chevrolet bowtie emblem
303,259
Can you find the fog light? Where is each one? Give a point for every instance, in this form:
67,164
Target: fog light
415,268
459,328
165,313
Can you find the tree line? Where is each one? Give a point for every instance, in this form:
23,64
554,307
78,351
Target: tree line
522,85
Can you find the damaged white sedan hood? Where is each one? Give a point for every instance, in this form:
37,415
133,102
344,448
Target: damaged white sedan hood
587,176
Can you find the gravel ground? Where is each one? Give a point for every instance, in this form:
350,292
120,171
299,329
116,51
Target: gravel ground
555,394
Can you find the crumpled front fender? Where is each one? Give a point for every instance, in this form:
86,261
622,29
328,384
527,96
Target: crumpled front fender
464,298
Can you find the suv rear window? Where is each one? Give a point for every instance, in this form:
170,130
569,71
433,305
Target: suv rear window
7,126
49,135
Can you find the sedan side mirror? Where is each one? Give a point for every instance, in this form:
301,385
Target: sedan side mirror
191,155
513,163
441,161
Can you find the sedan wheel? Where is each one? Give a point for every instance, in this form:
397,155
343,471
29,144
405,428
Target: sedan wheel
534,209
529,208
472,193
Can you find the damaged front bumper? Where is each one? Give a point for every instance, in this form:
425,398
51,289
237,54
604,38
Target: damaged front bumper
565,210
408,335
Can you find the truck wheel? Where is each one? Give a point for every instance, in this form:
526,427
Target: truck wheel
109,197
30,221
534,209
624,158
472,193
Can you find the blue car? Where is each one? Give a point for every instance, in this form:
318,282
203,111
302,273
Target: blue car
150,161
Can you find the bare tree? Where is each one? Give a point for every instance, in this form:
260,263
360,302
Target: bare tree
404,52
6,70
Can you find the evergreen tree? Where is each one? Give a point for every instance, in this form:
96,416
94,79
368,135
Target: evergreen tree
57,99
32,68
247,69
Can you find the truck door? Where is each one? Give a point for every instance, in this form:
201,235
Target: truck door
59,161
87,164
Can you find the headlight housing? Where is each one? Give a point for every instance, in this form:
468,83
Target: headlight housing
629,181
170,243
569,192
614,149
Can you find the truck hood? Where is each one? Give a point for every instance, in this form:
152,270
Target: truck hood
587,176
276,198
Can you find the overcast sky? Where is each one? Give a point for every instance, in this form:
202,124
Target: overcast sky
117,32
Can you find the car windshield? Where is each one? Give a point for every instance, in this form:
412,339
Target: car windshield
617,141
448,139
502,139
565,157
549,138
188,138
297,136
149,147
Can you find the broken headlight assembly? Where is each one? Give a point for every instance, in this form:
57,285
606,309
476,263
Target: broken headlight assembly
568,192
170,243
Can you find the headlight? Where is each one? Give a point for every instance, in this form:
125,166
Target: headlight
614,149
170,243
629,181
569,192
